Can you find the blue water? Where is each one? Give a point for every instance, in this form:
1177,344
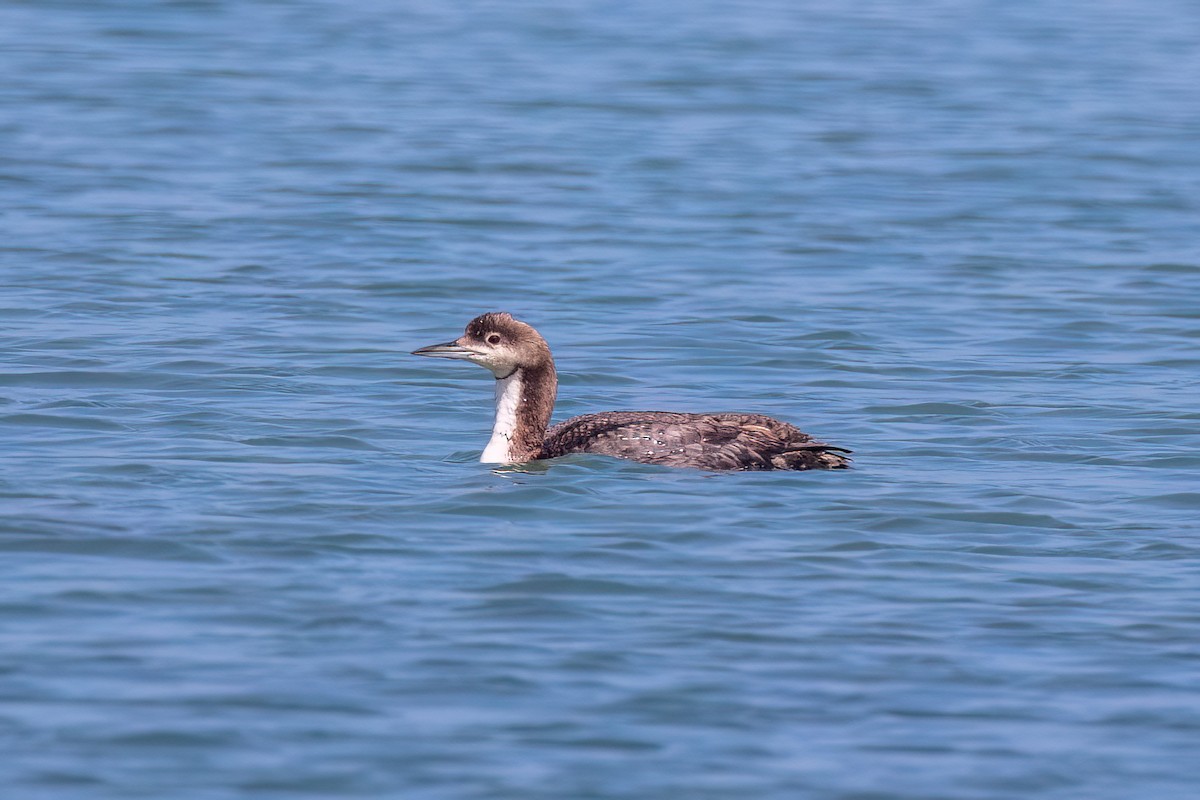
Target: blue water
248,550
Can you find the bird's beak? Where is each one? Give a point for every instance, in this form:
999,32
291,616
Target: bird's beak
445,350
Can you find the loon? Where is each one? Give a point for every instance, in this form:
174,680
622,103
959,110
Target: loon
526,387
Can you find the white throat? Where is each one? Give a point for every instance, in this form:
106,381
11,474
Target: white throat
508,396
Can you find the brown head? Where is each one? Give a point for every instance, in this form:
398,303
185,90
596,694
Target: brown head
519,358
498,343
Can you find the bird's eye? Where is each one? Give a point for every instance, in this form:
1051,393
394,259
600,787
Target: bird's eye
493,338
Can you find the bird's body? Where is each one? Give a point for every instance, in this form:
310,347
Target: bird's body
720,441
526,387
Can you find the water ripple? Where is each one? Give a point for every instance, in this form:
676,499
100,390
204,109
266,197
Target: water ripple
249,546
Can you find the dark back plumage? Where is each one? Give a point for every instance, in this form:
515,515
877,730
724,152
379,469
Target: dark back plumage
721,441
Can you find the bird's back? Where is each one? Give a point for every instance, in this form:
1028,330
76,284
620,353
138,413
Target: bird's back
722,441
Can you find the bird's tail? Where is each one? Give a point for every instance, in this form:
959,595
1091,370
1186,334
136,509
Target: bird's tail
812,455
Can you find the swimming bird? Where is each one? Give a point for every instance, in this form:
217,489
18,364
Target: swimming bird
527,385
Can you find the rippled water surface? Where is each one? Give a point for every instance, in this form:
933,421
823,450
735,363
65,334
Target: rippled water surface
249,551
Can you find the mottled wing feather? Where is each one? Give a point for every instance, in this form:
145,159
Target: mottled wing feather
709,441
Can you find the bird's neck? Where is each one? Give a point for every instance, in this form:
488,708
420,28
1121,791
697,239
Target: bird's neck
524,403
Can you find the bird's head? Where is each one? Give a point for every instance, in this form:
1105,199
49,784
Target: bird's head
496,342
